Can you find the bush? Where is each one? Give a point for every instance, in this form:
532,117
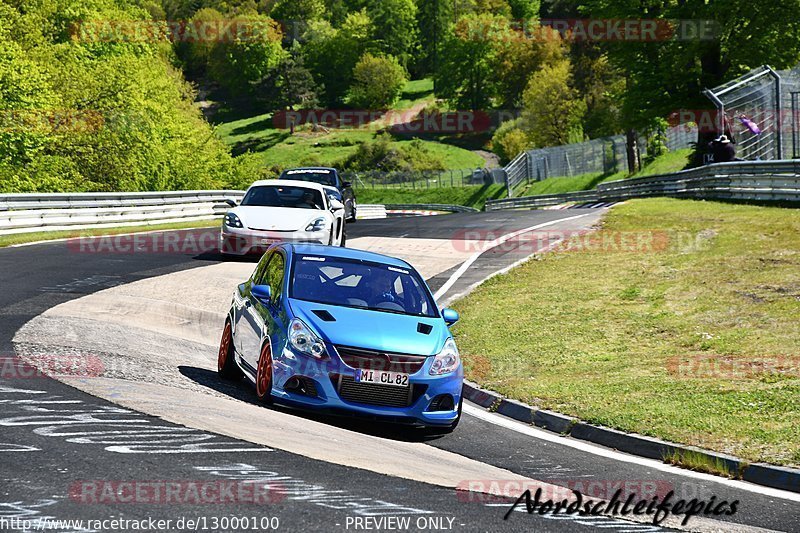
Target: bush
382,155
107,115
510,140
377,82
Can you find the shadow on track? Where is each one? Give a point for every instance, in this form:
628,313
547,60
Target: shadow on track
243,391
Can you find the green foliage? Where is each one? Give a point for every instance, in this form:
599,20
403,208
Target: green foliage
553,110
298,10
394,27
670,74
466,74
377,82
381,155
524,9
517,58
510,140
289,85
83,114
656,140
242,62
332,53
433,20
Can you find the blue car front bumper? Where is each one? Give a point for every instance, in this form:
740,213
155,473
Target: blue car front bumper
330,385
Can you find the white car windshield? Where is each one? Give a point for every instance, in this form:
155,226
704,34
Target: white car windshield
283,196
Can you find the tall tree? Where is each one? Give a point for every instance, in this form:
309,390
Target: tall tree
394,25
524,9
466,76
553,109
331,53
434,17
290,85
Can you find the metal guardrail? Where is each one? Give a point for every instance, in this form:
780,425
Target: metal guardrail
432,207
776,181
27,213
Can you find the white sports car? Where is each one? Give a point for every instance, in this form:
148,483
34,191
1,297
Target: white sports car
275,211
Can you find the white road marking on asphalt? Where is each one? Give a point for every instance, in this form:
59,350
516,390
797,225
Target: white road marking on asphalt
541,434
493,244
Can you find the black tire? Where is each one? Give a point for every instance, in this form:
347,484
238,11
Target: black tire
226,365
352,217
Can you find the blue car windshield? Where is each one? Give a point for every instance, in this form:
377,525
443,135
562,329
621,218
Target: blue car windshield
360,284
323,177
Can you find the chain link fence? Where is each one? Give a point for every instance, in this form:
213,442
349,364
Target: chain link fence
606,155
418,179
749,113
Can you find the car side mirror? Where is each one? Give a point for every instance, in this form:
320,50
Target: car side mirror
262,293
450,316
346,184
336,205
230,201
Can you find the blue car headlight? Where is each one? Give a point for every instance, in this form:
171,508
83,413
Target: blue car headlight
304,340
233,221
447,360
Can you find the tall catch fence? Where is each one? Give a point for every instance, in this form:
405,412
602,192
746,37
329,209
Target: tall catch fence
601,156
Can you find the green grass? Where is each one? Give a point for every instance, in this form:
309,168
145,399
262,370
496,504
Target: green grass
699,462
22,238
278,148
669,162
471,196
416,92
696,341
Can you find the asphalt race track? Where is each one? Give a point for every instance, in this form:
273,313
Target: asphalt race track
66,454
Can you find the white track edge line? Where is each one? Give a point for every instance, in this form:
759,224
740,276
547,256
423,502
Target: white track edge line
594,449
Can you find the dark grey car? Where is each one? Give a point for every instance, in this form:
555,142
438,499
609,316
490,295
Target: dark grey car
331,178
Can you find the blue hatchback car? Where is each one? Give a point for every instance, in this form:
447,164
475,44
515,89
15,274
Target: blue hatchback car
347,332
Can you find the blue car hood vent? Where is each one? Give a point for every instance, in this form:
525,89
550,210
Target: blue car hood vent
324,315
425,329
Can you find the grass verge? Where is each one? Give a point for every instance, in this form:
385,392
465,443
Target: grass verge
695,339
23,238
669,162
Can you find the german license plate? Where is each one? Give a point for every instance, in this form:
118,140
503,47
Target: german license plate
395,379
269,241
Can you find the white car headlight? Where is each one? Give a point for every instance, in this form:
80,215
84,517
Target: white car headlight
447,360
304,340
319,224
233,221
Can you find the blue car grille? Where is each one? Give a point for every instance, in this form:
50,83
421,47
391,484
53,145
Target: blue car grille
374,360
375,393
